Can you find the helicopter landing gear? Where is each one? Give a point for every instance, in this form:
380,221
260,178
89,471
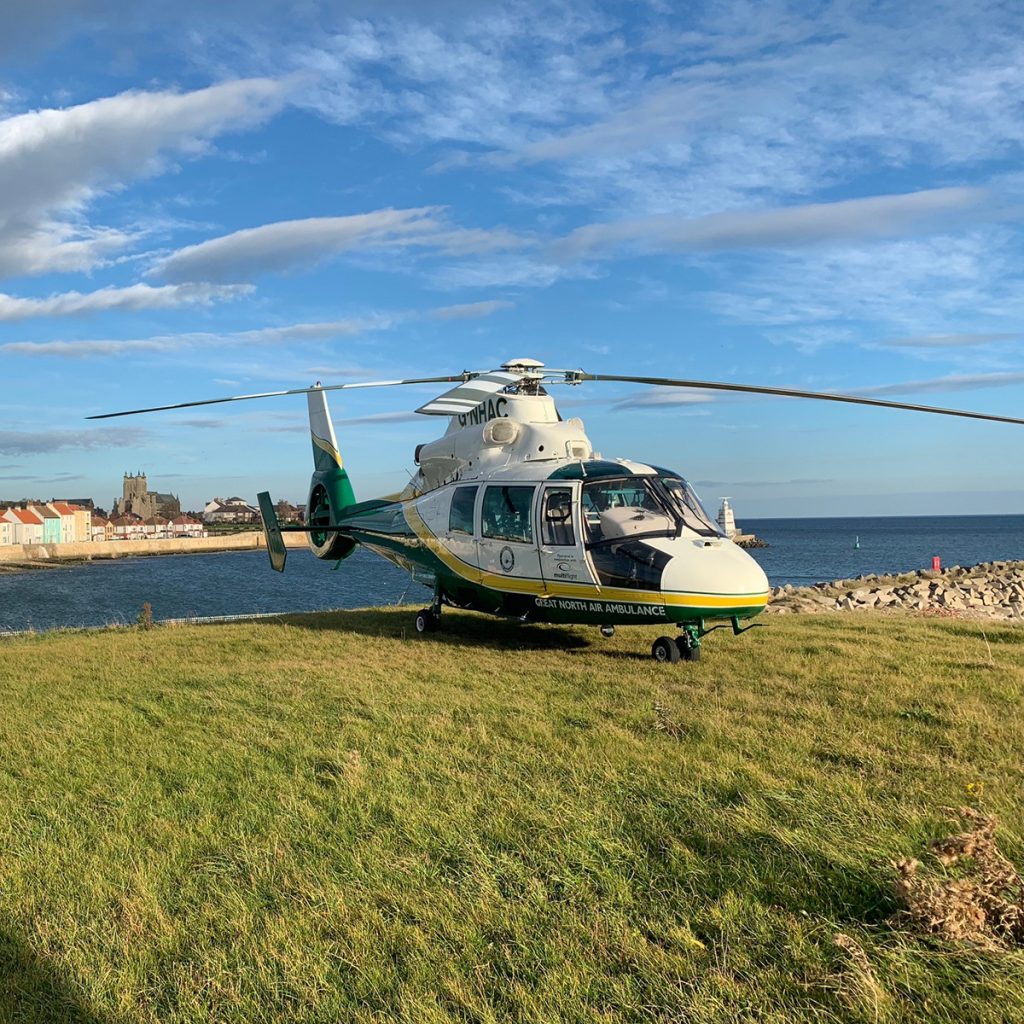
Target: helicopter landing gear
428,619
665,650
689,644
686,652
685,648
607,632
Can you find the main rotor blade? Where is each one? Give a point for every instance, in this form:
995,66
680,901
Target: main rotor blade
823,396
292,391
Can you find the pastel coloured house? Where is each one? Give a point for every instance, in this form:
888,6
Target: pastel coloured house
51,523
67,521
28,527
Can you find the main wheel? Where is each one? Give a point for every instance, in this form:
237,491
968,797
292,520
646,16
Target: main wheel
427,620
688,651
665,650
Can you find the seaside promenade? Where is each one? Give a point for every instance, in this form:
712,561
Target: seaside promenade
29,555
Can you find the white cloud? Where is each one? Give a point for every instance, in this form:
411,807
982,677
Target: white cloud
506,270
484,77
968,282
470,310
949,341
40,442
53,162
380,417
758,101
940,385
132,297
90,348
283,245
664,398
783,227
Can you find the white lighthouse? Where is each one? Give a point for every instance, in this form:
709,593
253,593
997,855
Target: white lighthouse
726,519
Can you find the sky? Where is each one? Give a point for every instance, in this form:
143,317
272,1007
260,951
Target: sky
200,200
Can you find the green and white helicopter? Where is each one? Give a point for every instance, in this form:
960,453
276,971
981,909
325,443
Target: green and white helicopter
513,513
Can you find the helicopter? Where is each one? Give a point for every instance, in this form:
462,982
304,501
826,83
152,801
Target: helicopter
512,512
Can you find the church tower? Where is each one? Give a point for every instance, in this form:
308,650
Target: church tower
135,496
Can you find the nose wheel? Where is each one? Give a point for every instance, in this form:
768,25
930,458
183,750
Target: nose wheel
665,650
668,650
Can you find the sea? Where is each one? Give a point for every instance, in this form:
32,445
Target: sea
800,551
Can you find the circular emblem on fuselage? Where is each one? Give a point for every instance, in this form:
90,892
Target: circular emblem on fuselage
507,558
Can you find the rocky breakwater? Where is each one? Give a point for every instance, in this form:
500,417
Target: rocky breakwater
991,590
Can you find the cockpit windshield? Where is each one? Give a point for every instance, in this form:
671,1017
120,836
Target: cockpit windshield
619,507
688,507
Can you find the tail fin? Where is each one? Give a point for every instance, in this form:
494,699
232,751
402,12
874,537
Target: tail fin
326,456
330,490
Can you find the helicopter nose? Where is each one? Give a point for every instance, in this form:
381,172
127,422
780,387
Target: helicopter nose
716,568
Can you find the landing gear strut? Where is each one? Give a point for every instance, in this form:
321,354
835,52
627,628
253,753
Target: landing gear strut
688,643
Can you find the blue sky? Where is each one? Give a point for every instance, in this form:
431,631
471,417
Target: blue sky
823,196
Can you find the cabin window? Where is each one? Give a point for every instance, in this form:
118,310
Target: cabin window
460,519
556,521
506,513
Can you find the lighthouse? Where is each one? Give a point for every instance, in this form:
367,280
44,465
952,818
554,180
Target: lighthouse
726,519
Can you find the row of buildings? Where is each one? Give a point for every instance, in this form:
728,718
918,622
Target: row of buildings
60,522
137,498
239,511
139,514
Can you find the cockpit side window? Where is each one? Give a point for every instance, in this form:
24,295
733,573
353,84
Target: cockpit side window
460,518
506,513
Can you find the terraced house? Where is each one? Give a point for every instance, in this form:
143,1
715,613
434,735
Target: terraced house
75,521
28,525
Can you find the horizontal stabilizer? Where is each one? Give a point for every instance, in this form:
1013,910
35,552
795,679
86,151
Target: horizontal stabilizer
272,532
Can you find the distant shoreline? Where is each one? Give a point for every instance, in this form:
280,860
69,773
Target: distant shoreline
35,557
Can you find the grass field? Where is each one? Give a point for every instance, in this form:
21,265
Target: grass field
330,819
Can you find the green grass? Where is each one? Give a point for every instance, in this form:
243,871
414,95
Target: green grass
328,818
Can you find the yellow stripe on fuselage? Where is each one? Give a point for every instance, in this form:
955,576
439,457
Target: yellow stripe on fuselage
545,588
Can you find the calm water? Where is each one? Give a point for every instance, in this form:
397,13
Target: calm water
809,550
237,583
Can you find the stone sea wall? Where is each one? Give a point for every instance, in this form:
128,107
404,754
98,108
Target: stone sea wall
991,590
26,555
